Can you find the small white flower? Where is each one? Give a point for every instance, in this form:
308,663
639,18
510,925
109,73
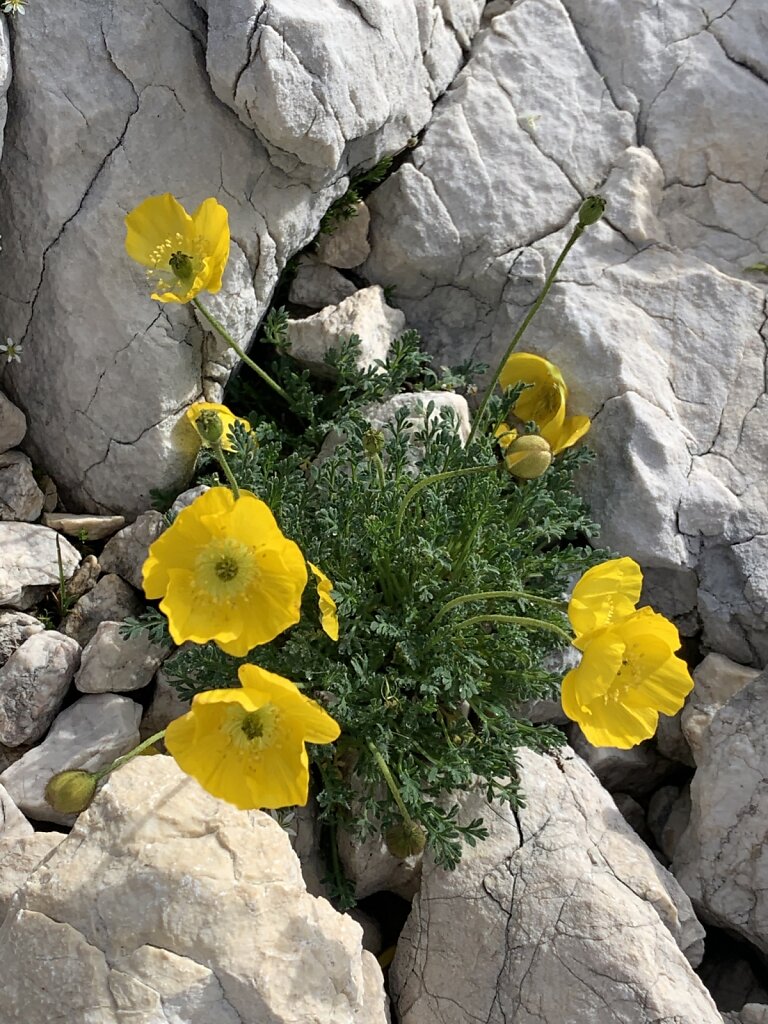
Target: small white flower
14,6
10,350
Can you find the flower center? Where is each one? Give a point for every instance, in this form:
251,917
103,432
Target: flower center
224,569
252,731
176,262
181,265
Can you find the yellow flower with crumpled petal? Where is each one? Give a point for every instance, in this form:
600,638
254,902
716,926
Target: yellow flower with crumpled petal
605,594
629,673
544,401
184,254
248,745
228,420
329,617
225,572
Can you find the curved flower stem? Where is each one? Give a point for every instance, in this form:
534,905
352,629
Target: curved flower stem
491,595
379,470
436,478
478,419
220,329
125,758
518,620
218,451
390,781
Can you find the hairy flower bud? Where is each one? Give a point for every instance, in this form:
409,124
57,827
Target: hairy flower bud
405,840
591,210
373,443
528,457
71,792
209,426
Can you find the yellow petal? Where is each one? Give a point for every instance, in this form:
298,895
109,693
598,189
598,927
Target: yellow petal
228,420
211,222
315,724
571,430
150,223
605,594
329,618
544,401
505,434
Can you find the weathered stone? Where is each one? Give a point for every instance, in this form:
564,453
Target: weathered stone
85,527
634,815
186,498
112,664
50,493
371,868
83,579
716,680
112,599
365,314
562,914
754,1013
21,499
127,551
316,286
18,859
89,734
30,566
637,771
33,684
15,628
146,932
347,245
13,824
721,859
669,811
13,422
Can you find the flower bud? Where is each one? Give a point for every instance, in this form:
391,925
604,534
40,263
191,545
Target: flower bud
591,210
71,792
373,443
210,427
528,457
405,840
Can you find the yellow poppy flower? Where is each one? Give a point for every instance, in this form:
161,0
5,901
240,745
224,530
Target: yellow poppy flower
329,618
629,673
248,745
228,420
604,595
184,254
544,401
226,573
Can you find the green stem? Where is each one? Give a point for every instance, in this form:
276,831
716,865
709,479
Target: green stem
220,329
125,758
576,234
491,595
390,781
218,451
518,620
436,478
379,470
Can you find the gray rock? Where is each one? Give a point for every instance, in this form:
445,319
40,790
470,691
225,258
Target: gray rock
85,527
33,684
186,498
669,811
564,914
13,824
365,314
716,679
15,628
754,1013
316,286
13,422
50,493
30,566
18,859
371,868
89,734
637,771
112,599
165,707
20,497
347,245
634,815
127,551
111,664
83,580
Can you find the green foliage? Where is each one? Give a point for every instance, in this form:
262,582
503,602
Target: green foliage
345,207
437,700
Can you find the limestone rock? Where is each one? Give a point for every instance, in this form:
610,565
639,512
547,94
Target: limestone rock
83,579
20,497
637,771
33,684
29,565
720,859
716,679
85,526
18,859
15,628
13,422
111,599
365,314
372,868
316,286
146,930
186,498
127,551
669,811
88,734
165,707
112,664
754,1013
565,914
347,245
13,824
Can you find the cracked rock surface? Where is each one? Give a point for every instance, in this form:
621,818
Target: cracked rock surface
563,914
196,912
659,332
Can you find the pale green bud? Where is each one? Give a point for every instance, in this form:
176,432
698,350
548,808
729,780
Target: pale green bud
591,210
72,791
405,840
528,457
210,427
